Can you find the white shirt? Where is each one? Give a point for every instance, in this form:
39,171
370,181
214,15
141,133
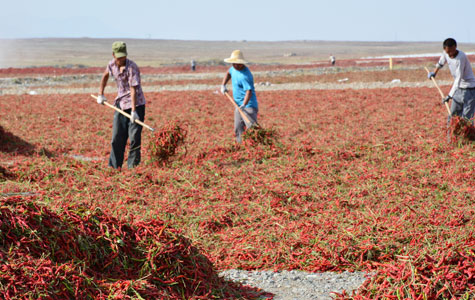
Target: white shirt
460,69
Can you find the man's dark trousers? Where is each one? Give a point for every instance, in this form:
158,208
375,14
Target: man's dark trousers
122,129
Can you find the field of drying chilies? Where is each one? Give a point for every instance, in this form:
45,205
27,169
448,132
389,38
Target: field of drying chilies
356,177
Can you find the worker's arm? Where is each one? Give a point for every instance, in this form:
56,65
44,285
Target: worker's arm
104,79
247,97
133,96
226,78
436,70
101,98
438,66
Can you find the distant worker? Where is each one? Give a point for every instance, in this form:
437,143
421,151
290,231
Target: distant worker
193,65
463,89
130,99
332,59
244,93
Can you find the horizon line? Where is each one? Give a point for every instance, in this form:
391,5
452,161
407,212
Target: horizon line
228,41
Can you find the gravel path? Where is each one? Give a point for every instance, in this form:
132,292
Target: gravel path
42,85
206,87
298,285
59,84
51,80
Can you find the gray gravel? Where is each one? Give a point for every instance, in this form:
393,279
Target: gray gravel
299,285
37,85
53,80
205,87
41,81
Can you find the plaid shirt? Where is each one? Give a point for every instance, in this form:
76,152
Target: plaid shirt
130,76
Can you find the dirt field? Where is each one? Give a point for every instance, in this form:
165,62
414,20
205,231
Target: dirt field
96,52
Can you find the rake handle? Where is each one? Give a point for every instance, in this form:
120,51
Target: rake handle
243,115
125,114
440,91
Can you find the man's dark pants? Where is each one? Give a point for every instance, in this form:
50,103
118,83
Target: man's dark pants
122,129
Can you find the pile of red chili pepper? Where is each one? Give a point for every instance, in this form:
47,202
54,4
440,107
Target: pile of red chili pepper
77,253
259,135
462,129
166,141
447,273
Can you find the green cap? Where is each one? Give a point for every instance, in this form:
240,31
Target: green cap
119,49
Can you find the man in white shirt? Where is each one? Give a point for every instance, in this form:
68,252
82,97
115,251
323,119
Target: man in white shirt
463,89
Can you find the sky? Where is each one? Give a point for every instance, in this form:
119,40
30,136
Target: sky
252,20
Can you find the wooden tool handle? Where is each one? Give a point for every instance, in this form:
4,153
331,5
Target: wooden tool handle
440,91
243,115
125,114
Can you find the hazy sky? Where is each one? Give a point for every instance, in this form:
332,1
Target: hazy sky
349,20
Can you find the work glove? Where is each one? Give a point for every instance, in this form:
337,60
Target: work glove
431,75
242,107
101,99
446,99
135,116
223,89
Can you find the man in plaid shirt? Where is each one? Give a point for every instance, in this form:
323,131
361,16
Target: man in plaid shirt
130,98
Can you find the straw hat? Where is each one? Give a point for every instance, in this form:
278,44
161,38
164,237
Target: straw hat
236,58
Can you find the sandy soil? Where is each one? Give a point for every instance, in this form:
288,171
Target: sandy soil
95,52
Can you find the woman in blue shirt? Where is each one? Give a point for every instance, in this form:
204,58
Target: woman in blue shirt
244,93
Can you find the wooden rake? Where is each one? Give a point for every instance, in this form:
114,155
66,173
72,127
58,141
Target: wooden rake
126,114
440,91
244,115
